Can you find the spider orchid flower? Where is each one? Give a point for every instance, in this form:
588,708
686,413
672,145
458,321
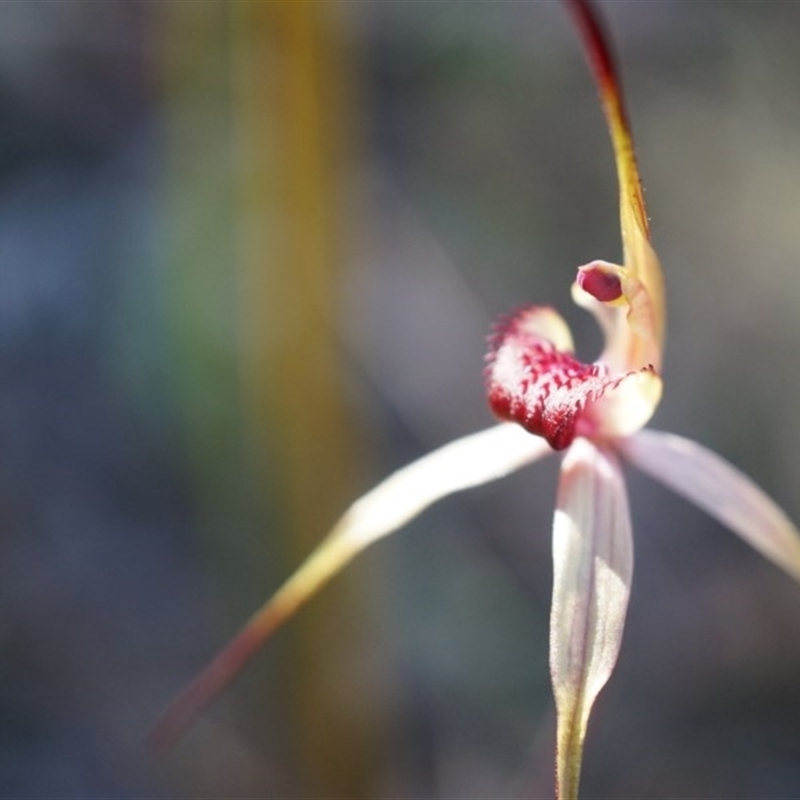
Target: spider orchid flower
550,402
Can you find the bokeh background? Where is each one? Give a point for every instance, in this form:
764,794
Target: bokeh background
249,254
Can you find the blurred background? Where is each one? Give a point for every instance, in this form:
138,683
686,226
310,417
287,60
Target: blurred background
249,255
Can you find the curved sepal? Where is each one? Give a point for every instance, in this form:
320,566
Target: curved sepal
466,462
625,348
721,490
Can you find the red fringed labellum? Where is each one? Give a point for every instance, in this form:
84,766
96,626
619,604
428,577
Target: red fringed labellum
537,382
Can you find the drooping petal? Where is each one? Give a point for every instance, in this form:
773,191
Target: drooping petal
593,565
466,462
721,490
534,380
626,347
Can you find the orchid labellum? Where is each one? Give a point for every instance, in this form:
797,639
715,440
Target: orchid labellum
550,402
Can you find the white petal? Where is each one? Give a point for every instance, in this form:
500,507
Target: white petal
593,565
467,462
721,490
475,459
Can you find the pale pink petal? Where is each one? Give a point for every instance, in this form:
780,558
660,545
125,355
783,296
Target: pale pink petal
467,462
593,565
721,490
462,464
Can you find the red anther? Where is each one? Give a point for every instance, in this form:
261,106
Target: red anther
600,282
